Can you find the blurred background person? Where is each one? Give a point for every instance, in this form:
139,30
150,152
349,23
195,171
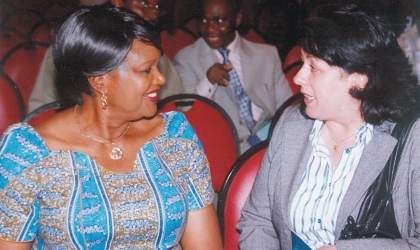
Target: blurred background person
108,172
410,39
243,77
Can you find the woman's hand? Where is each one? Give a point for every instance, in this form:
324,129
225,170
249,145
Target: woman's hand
202,230
333,247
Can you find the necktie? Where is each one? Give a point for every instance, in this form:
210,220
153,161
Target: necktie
241,97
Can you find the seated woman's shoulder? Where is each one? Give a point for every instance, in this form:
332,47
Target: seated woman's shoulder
57,128
21,145
176,124
293,113
19,130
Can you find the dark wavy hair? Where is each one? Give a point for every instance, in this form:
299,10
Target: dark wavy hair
357,40
92,41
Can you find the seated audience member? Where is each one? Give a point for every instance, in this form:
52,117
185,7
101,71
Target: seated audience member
107,173
245,78
326,152
410,39
45,90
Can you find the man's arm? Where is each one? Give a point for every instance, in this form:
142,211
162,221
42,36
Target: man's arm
44,90
201,83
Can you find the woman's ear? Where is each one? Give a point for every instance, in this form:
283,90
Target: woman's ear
97,83
360,80
238,19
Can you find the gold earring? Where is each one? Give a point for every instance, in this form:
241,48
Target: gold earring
104,103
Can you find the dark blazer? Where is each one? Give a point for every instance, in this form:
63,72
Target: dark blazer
266,222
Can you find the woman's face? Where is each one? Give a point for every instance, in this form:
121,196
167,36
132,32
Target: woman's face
326,89
133,87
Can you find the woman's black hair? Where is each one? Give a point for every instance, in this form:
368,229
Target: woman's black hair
358,40
92,41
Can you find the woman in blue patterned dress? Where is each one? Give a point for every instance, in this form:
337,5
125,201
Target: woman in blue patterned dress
107,173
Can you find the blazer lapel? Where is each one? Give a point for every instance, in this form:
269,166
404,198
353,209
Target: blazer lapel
375,155
252,82
246,55
299,149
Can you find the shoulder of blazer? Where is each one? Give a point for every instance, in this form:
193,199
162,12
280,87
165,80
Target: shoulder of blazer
265,50
197,48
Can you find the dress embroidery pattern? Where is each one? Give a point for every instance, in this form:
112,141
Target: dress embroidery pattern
65,200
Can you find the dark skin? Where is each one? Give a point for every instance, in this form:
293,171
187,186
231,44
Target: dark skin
148,14
131,91
217,26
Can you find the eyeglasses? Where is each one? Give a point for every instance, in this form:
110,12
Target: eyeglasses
215,20
148,7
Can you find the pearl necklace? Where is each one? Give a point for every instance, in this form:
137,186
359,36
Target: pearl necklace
116,152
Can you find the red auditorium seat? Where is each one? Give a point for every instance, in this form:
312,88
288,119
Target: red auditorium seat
172,42
24,36
22,67
253,36
291,67
235,191
11,108
42,113
214,128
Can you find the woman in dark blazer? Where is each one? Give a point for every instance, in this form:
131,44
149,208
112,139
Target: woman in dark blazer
325,153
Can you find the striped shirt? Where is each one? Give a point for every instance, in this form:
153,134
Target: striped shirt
320,192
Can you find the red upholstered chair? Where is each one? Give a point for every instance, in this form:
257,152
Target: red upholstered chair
22,66
235,191
42,113
172,42
253,36
291,67
214,128
11,104
293,100
24,37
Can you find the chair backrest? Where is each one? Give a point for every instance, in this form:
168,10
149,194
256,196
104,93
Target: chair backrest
291,66
253,36
294,99
213,127
24,37
174,41
42,113
235,191
11,105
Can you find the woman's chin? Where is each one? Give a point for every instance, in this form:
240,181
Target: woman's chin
311,113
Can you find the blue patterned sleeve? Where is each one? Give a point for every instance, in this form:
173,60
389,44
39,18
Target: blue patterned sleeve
200,189
20,148
179,127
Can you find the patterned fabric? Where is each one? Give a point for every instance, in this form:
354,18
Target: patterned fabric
65,200
241,97
320,192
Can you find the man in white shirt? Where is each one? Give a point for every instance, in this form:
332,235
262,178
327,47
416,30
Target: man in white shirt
204,70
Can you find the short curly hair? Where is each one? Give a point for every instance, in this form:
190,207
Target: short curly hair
358,40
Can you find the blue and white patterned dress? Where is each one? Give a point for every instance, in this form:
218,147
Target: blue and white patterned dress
63,199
